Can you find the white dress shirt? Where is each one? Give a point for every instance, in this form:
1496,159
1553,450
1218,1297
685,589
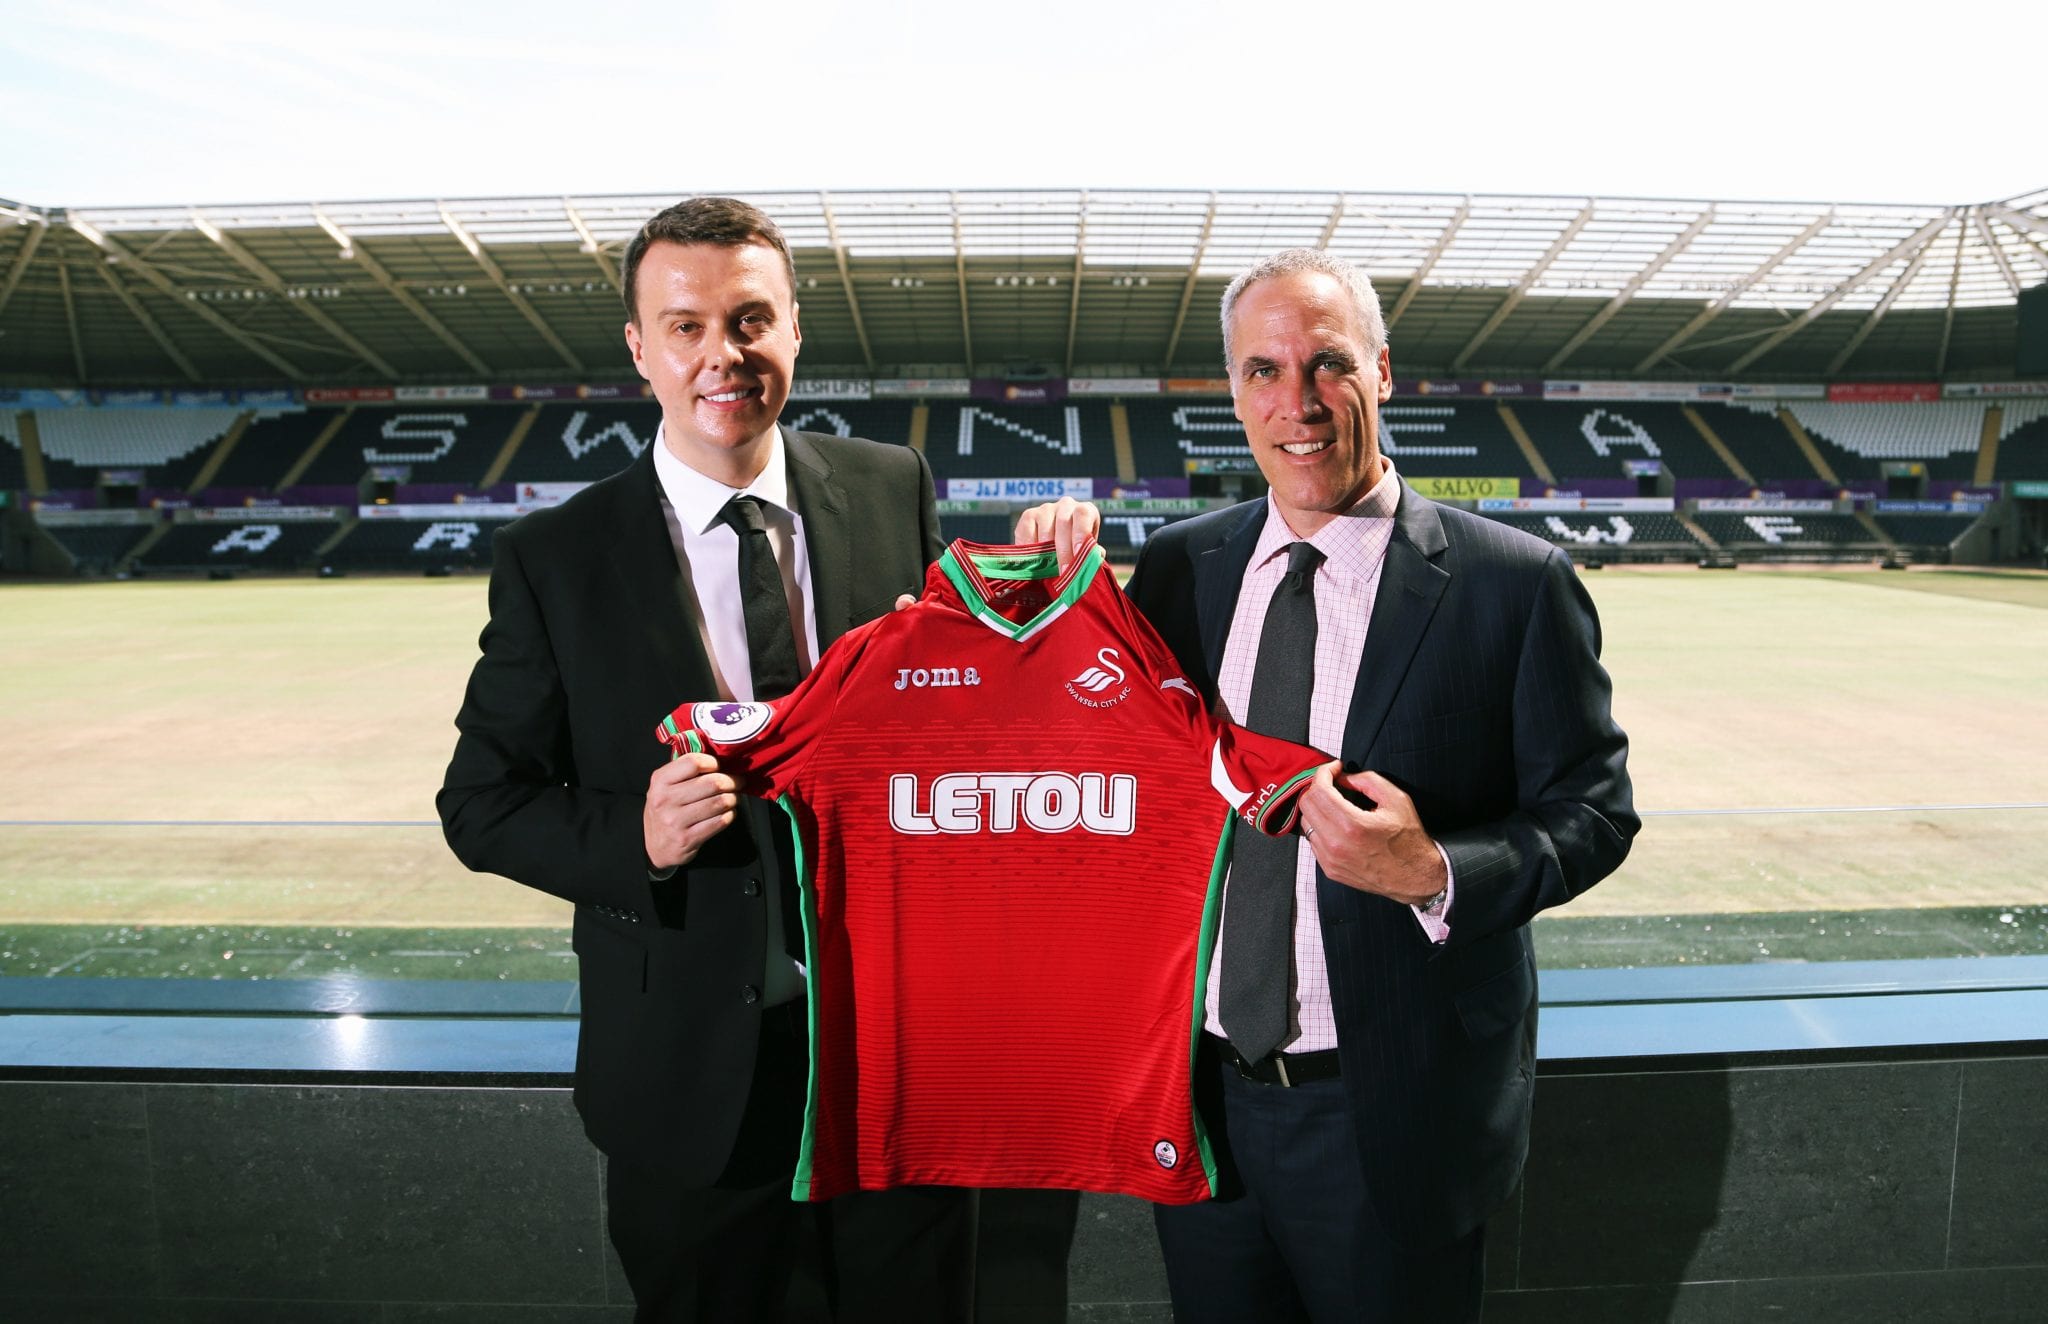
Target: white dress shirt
1354,548
708,551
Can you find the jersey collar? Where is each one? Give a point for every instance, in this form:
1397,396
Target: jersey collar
971,566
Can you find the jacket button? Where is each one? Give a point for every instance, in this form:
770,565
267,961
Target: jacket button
752,887
749,994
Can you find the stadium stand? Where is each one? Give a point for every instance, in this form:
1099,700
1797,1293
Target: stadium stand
1857,438
438,443
1591,440
583,442
1792,535
1428,438
1633,535
1934,532
168,445
273,444
994,529
97,549
2023,440
417,544
1759,443
269,547
972,439
13,469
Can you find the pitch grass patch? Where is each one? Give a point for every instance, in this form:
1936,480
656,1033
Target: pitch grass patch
298,700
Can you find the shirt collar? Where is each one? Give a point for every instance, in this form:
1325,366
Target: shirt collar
1343,538
697,499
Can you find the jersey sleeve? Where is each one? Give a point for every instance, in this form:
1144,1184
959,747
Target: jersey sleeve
1261,777
768,742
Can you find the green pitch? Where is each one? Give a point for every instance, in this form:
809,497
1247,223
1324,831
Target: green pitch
261,757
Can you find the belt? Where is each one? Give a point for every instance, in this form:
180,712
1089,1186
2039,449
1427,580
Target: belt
1282,1069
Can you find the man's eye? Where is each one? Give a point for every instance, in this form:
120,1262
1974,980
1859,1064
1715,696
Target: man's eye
686,328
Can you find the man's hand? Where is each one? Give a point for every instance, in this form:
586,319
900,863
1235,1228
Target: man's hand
689,801
1383,849
1065,523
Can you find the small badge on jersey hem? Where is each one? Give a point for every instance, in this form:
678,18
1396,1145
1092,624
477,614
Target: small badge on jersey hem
730,723
1105,675
1167,1155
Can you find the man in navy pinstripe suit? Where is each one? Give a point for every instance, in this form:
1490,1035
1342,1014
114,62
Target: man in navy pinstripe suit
1452,663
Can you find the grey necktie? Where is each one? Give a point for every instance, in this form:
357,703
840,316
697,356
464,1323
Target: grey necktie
1258,913
771,641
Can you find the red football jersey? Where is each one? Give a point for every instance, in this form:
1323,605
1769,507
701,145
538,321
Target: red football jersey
1013,820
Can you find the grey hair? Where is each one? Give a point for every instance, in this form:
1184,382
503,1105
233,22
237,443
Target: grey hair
1365,301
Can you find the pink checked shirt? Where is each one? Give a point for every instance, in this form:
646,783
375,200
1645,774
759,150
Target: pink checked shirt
1354,548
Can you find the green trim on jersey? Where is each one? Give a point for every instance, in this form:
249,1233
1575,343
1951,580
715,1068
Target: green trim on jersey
1022,565
963,578
807,902
1279,797
1205,952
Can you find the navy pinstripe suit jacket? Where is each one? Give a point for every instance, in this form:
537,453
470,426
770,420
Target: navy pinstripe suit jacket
1481,694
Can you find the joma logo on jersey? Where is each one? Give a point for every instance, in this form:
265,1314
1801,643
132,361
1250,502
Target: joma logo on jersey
917,678
1004,801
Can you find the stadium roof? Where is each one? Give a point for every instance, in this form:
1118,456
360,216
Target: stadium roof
992,282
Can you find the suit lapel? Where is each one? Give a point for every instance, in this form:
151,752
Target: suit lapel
1219,574
643,557
1411,586
828,535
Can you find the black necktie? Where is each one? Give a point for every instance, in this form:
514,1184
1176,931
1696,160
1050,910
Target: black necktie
1258,909
771,655
771,642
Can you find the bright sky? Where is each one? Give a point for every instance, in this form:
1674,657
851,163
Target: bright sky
200,101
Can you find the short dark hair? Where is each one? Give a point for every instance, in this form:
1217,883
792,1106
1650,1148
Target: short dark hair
727,222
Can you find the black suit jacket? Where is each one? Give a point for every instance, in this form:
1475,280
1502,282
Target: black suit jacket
591,642
1481,694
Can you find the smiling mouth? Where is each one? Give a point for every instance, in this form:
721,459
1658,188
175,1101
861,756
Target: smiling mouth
1307,447
734,396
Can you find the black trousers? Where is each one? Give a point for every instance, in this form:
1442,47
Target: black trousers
1295,1238
743,1251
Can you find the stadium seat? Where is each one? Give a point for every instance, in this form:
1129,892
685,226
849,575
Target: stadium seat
417,544
168,444
973,439
2023,440
271,446
1791,533
439,443
1588,439
256,545
1857,437
1630,535
98,548
1927,531
1759,443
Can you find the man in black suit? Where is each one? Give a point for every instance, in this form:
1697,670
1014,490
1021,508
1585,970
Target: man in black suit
1371,1010
719,564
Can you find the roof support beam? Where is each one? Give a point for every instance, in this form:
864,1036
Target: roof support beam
221,324
141,315
2012,281
491,269
258,268
1948,318
1912,243
2018,220
592,247
960,273
355,252
1187,289
1528,282
20,266
1337,211
71,320
1429,261
1074,302
1720,305
1636,282
1884,306
860,327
